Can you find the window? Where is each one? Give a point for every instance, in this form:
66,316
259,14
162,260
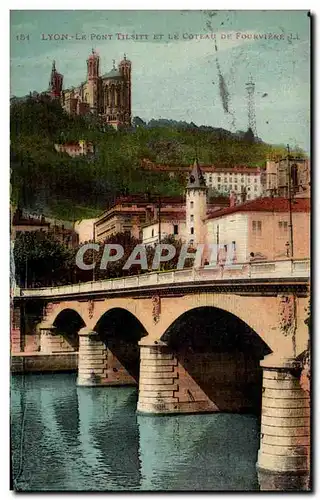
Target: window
242,180
127,233
219,179
192,230
255,188
152,233
256,180
191,218
248,189
256,226
191,204
225,180
230,186
283,226
219,186
210,179
225,186
176,228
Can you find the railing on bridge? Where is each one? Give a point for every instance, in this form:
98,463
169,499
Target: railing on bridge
248,270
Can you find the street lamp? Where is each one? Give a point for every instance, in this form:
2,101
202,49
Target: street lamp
290,203
287,248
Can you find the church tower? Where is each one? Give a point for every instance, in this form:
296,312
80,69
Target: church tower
125,71
55,83
93,68
196,205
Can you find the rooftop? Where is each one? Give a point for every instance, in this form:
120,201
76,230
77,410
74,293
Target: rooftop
265,205
224,168
196,179
114,73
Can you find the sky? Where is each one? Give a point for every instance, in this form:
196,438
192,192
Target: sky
178,75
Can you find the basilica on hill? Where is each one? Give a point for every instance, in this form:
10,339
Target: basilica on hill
107,95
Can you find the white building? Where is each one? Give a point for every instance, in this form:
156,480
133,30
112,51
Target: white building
237,179
176,228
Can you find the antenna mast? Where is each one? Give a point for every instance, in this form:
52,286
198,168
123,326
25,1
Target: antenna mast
250,87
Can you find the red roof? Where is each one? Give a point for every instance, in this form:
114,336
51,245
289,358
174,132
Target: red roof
266,205
225,168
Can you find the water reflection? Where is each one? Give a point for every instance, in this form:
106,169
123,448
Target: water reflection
91,439
202,452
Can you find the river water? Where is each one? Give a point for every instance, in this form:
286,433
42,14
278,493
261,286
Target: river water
67,438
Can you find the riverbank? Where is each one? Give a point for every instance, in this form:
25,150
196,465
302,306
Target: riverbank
35,362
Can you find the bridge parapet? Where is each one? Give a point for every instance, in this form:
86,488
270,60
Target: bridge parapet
249,270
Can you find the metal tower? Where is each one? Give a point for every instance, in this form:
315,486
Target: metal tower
250,86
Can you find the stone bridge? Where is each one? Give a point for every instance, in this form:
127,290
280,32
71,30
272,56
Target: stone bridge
205,340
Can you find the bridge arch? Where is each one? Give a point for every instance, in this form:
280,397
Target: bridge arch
260,313
68,322
120,331
219,353
209,326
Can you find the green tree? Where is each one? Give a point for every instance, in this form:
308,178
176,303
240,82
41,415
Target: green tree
40,260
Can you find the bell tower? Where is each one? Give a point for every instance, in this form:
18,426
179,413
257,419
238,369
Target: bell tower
196,205
125,71
55,83
93,68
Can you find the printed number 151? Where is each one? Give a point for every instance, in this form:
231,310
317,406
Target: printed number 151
22,38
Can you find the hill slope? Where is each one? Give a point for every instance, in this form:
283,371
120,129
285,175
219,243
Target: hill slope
71,188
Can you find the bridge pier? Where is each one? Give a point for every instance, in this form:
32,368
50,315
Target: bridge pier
15,330
92,359
165,386
97,365
51,341
48,338
285,425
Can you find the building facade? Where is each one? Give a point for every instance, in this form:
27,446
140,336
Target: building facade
107,95
130,214
260,230
75,148
287,174
245,182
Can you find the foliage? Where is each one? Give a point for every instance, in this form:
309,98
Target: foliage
54,183
40,260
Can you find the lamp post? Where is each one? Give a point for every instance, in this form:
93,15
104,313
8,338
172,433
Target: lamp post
290,202
94,262
159,219
217,243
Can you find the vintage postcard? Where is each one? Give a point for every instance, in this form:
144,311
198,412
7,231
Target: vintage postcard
160,250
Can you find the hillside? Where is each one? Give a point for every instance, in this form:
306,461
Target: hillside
57,185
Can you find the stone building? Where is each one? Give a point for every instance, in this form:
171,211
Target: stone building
130,213
22,222
107,95
260,230
75,148
239,179
279,175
